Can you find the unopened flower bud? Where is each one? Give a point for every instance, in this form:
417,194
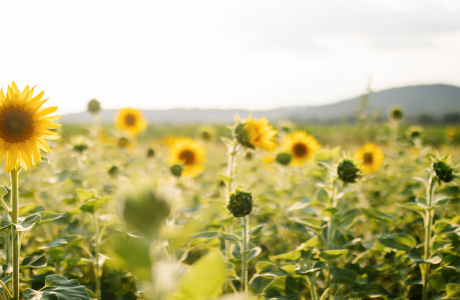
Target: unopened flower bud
240,203
176,170
444,172
114,171
396,113
150,153
94,106
347,171
283,158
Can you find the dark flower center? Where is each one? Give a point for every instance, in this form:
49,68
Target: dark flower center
300,149
15,125
368,158
130,119
188,157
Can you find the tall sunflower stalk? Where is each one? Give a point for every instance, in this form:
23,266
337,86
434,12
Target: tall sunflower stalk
24,128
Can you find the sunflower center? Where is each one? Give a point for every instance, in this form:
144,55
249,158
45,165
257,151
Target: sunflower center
368,159
15,125
123,142
300,149
188,157
130,119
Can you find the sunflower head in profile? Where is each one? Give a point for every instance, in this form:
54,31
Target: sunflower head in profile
301,146
131,120
189,154
24,127
256,134
370,157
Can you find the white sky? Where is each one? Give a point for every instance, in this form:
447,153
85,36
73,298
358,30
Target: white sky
254,54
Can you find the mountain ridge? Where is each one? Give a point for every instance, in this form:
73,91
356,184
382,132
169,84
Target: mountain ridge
435,100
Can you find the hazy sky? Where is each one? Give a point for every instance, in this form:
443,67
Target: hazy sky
225,54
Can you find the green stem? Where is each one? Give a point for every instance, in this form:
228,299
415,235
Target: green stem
428,233
6,289
312,287
98,250
15,221
244,254
330,229
230,172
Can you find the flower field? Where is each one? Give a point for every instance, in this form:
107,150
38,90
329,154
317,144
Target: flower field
251,210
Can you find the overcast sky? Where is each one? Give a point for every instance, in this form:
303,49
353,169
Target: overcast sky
225,54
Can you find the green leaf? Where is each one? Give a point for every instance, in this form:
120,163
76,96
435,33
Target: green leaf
453,291
283,288
378,215
91,206
415,255
47,216
58,288
256,230
414,207
294,255
28,222
310,244
60,242
85,195
330,211
316,268
204,279
311,223
445,228
400,241
452,262
345,218
231,237
323,197
31,208
441,201
254,252
35,261
332,254
203,237
346,276
46,160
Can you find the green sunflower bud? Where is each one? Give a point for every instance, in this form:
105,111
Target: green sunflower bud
444,172
347,171
114,171
249,155
414,132
240,203
80,148
283,158
396,113
94,106
242,136
176,170
150,153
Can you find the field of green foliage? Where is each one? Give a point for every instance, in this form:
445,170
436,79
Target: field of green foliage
249,211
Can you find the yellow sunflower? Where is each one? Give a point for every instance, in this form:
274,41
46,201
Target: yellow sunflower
371,158
260,134
301,146
131,120
24,126
189,154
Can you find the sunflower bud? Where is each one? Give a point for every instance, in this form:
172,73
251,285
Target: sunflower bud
94,106
444,172
150,153
242,136
396,113
415,132
80,148
347,171
240,203
114,171
283,158
176,170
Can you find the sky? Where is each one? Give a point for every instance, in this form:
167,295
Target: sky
252,54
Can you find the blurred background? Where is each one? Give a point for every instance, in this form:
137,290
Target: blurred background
293,60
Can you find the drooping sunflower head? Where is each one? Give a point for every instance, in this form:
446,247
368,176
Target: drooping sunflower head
79,143
24,127
206,133
94,106
370,157
396,113
301,146
131,120
189,154
256,134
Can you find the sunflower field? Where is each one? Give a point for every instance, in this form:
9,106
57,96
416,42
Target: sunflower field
250,210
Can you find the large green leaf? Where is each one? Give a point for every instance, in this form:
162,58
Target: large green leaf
204,279
35,261
283,288
332,254
378,215
58,288
400,241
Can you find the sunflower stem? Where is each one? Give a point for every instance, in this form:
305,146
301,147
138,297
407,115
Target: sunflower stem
428,223
230,172
98,250
15,221
244,254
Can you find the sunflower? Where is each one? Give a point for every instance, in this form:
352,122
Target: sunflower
131,120
189,154
24,126
301,146
371,158
256,134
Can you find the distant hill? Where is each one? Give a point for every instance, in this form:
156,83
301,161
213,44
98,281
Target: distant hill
434,100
